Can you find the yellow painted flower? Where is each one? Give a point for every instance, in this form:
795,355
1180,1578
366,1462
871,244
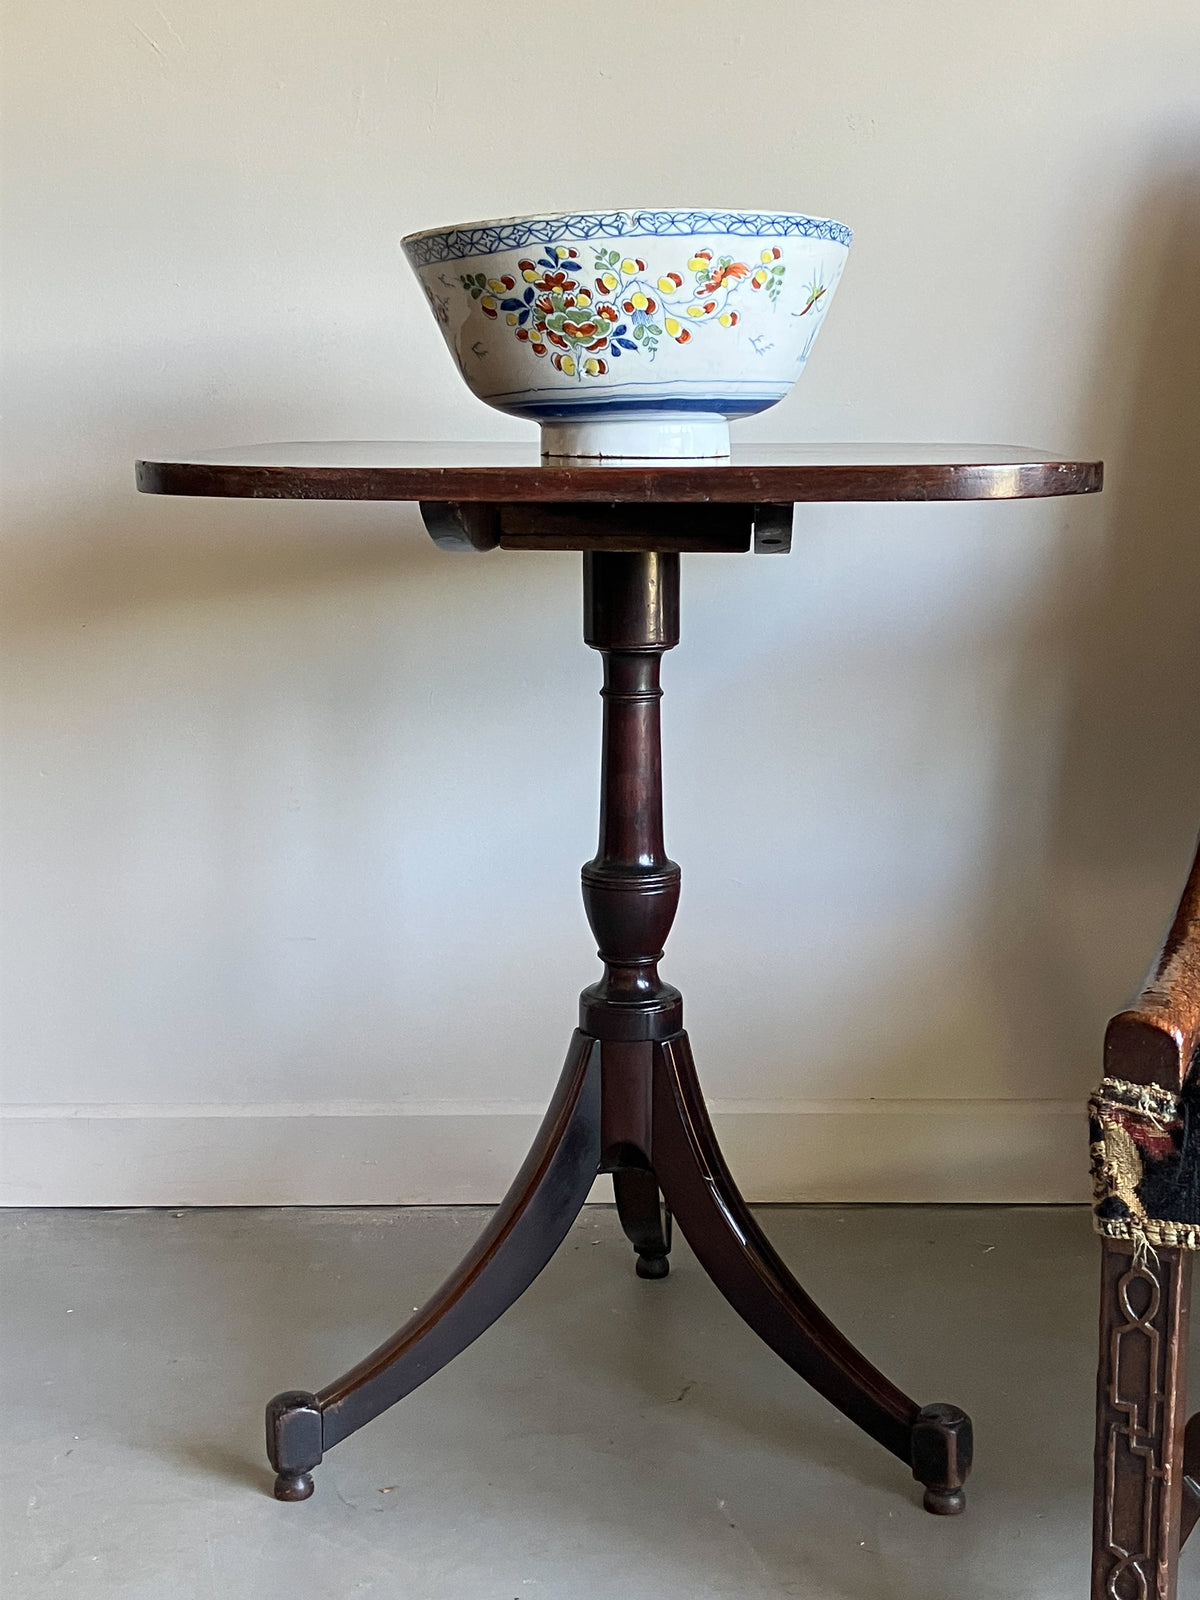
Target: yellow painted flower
583,298
695,311
496,286
530,275
760,277
667,285
767,256
568,365
638,300
511,319
672,326
725,320
629,266
697,264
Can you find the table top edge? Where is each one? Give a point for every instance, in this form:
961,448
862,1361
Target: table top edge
1026,474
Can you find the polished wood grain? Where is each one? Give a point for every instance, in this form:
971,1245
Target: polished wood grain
1155,1039
514,474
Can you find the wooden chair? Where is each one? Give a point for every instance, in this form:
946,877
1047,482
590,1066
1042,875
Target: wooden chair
1147,1498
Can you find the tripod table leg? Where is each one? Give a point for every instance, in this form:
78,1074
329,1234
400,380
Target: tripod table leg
736,1254
527,1228
646,1221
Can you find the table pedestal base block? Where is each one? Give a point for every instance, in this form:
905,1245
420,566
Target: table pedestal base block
628,1103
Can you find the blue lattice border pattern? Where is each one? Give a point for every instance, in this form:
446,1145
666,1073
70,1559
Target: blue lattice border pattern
456,244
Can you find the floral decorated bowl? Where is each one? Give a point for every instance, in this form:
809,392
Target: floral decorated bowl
632,333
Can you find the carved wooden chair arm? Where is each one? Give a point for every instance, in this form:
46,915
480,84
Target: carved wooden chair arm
1155,1039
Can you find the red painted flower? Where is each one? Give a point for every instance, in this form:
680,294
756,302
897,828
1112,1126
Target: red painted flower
735,270
609,313
556,280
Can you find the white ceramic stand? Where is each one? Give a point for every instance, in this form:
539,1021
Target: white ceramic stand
656,436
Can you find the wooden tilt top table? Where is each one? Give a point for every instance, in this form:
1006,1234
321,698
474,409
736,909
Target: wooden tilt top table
628,1101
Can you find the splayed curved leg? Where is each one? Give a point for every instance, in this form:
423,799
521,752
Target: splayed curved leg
645,1219
527,1228
698,1186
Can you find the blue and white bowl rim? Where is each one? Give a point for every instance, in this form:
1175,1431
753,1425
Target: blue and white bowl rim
514,233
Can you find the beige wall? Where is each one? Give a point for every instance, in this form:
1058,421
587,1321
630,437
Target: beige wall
294,802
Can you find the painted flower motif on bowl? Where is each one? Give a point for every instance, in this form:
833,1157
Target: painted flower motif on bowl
623,312
662,324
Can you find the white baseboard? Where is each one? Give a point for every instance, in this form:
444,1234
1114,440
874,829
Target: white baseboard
442,1153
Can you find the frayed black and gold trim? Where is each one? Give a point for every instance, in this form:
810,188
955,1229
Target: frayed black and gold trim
1145,1147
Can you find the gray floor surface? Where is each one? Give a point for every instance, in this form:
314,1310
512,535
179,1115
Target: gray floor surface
607,1438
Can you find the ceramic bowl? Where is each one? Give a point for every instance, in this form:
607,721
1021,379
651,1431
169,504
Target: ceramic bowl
632,334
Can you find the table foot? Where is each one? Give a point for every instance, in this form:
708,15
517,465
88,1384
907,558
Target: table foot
652,1267
942,1449
293,1485
742,1262
294,1442
646,1221
525,1231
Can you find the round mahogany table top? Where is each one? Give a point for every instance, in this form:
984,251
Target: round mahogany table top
498,473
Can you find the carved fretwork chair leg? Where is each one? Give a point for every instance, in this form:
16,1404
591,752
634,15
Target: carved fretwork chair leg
1146,1170
1140,1519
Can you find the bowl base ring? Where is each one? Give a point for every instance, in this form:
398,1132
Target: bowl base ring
651,436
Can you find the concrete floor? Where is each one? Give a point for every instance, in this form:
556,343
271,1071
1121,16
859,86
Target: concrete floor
608,1438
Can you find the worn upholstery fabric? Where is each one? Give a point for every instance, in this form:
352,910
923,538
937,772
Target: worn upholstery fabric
1146,1162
